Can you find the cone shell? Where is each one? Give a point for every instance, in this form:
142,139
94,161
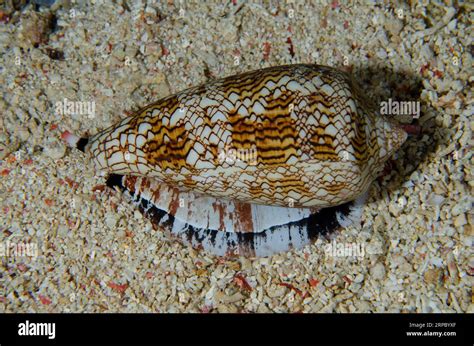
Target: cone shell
290,136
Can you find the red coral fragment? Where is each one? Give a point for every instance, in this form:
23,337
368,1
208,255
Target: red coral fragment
291,287
240,281
438,73
117,287
49,202
71,183
65,134
99,188
4,17
291,49
424,68
313,282
164,50
113,205
4,172
266,50
11,159
44,300
205,309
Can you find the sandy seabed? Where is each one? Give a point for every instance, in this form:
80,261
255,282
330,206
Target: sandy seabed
93,252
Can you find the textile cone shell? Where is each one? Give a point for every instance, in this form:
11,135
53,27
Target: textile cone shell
298,136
